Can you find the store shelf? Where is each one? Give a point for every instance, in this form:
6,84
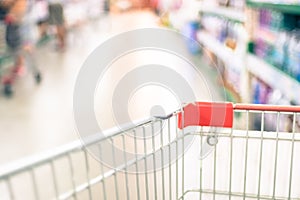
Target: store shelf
274,77
228,56
267,35
286,8
225,12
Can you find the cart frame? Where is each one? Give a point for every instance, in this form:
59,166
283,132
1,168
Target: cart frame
171,175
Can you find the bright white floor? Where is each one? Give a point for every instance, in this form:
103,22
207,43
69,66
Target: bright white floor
38,118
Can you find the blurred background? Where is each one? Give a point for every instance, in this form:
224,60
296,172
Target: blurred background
252,54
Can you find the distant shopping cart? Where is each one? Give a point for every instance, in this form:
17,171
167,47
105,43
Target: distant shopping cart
202,151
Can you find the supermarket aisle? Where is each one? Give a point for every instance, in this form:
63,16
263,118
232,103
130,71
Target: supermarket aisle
40,117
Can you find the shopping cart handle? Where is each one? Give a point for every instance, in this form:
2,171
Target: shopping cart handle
206,114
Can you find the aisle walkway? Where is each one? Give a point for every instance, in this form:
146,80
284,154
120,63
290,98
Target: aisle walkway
40,117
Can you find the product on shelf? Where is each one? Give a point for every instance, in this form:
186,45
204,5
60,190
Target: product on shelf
293,52
279,52
190,31
234,78
272,19
225,31
223,2
239,4
261,91
264,94
285,123
277,41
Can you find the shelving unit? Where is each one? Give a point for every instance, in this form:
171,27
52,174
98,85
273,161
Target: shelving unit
220,50
273,77
251,64
238,61
226,55
286,8
225,12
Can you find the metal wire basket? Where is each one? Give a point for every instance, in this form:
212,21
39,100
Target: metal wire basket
202,151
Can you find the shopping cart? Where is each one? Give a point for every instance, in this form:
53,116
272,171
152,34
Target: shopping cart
202,151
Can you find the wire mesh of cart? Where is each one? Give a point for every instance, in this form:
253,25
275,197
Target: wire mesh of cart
202,151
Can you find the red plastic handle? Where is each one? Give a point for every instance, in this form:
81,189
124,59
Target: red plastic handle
206,114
